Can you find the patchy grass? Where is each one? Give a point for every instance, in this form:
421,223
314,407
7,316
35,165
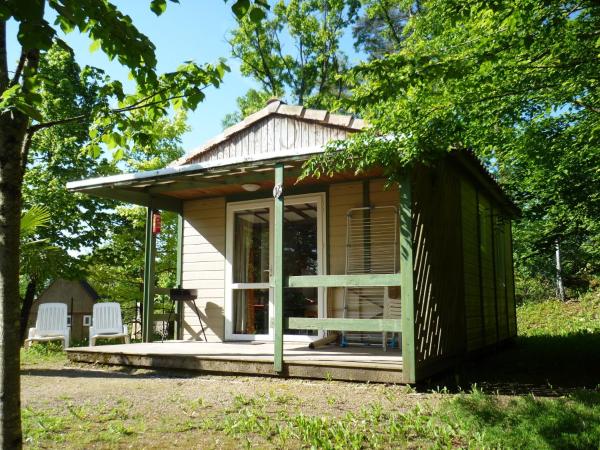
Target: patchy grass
556,318
491,421
473,420
542,393
43,353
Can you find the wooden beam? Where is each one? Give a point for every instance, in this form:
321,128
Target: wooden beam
363,325
363,280
277,276
149,260
298,211
178,331
407,290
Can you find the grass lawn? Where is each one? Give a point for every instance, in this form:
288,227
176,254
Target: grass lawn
540,393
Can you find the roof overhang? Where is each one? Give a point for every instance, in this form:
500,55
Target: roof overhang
158,188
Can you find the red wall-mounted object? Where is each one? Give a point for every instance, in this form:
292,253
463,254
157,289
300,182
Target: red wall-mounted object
155,222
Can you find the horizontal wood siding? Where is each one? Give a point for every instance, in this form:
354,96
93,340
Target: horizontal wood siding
342,197
470,240
438,277
487,270
204,266
273,134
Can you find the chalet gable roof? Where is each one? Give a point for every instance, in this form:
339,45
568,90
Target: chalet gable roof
217,147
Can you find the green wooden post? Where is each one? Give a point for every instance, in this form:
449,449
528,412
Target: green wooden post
150,254
407,285
278,268
178,309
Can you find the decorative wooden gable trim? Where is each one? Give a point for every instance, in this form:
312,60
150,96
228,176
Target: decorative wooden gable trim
275,128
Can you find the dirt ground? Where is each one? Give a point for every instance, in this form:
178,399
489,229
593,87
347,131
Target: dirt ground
137,408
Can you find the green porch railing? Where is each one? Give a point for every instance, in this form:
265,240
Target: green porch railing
362,280
363,325
335,324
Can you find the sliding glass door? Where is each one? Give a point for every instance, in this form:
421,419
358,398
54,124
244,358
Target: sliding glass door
249,300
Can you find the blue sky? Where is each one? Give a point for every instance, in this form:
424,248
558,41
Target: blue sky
193,30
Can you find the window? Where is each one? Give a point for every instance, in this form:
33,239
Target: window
87,320
69,320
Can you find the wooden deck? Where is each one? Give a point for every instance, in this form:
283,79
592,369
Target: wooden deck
354,363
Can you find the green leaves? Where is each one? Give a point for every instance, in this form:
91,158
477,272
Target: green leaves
35,34
14,98
514,80
240,8
158,6
35,217
307,69
95,46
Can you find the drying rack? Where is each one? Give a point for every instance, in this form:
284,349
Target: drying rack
371,247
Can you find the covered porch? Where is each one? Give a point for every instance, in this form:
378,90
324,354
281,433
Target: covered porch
169,189
237,197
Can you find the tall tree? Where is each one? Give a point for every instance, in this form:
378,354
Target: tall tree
516,80
20,118
294,53
55,157
380,27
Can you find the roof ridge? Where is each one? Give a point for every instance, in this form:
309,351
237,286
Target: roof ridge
276,107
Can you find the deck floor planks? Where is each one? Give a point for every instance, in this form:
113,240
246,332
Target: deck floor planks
353,363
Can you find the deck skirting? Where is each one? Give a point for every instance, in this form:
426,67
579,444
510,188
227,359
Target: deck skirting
348,364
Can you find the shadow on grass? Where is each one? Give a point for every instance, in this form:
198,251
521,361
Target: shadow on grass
529,421
538,365
107,373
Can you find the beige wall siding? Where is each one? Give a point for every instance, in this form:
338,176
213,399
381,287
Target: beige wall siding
274,134
204,266
342,197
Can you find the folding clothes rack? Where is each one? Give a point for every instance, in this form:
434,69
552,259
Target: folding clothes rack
371,247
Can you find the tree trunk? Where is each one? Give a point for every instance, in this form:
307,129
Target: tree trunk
26,309
12,132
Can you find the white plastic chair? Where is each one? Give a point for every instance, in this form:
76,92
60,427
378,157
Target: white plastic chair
51,324
107,323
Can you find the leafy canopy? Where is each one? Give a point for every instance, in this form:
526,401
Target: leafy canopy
517,81
114,33
295,53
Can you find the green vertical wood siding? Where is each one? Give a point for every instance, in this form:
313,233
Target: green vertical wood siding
470,240
407,281
487,270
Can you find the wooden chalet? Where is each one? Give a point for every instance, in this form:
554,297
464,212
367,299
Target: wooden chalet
389,284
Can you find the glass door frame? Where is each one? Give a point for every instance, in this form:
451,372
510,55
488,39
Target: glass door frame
230,286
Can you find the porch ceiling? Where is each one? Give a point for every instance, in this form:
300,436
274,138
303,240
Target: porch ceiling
166,188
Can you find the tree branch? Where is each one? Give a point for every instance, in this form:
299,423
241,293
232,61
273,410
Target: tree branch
587,106
3,58
263,59
19,68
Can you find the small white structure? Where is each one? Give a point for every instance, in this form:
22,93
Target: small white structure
51,324
107,323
